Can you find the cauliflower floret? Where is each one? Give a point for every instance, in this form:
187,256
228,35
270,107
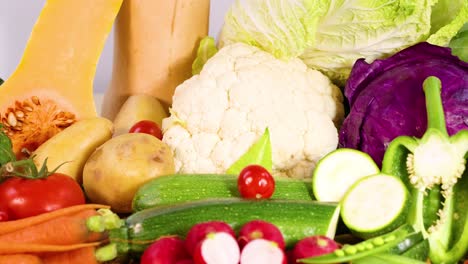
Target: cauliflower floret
217,115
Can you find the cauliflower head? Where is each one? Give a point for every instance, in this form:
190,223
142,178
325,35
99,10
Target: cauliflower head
218,114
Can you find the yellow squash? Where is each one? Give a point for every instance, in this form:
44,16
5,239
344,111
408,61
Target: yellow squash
136,108
71,148
155,45
52,86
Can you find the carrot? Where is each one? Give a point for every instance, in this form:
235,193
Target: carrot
20,259
9,248
63,230
14,225
77,256
83,255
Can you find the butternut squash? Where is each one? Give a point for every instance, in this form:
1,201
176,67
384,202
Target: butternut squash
154,48
52,86
138,107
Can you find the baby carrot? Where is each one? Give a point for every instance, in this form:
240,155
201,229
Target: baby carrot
77,256
62,230
9,248
10,226
20,259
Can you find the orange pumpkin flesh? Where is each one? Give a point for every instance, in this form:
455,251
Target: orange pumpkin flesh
52,86
24,123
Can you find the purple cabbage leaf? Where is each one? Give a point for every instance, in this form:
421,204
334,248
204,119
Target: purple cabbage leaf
387,100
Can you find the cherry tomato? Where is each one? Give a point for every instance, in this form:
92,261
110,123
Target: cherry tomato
255,182
22,197
147,127
3,214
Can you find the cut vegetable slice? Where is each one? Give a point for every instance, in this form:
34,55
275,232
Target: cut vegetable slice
338,170
375,205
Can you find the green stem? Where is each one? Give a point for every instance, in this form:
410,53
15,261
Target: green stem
432,87
95,223
23,168
106,253
27,169
106,220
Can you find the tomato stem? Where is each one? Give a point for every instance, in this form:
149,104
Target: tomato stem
22,168
26,168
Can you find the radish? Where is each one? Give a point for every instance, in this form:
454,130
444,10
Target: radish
260,229
217,248
313,246
185,261
165,250
199,232
262,251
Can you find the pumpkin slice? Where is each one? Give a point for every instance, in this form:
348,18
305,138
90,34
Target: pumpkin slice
155,45
52,86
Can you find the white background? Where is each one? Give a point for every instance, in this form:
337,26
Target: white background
17,18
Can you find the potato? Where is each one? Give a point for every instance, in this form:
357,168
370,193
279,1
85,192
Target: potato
115,171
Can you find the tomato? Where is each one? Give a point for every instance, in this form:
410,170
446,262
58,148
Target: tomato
22,197
3,214
255,182
147,127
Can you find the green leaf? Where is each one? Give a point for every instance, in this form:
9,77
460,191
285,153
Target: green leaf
259,153
1,81
206,50
331,35
386,259
443,36
459,44
444,12
6,151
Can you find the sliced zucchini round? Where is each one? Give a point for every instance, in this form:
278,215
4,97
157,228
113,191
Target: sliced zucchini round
338,170
375,205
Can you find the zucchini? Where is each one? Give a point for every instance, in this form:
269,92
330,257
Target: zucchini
179,188
375,205
295,219
338,170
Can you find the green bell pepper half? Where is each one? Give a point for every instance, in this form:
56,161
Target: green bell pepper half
434,169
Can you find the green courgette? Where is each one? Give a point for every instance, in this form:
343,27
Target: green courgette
338,170
375,205
296,220
179,188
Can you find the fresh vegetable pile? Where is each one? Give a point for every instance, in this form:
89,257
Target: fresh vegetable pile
312,132
433,170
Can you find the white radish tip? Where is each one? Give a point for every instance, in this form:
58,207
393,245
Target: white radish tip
262,251
219,248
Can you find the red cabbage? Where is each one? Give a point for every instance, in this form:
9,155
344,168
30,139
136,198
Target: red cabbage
386,97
